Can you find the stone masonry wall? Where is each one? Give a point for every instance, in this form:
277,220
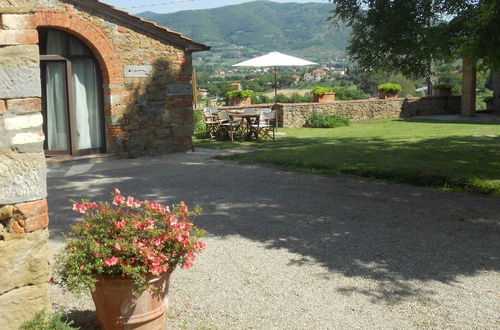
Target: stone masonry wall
24,261
148,98
295,115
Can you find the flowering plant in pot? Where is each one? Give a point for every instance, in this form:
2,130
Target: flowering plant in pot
323,94
388,90
441,90
124,252
240,96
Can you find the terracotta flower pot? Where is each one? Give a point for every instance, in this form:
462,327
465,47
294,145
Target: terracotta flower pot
118,309
239,101
325,98
382,94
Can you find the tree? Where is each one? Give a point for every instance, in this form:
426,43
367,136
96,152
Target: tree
406,36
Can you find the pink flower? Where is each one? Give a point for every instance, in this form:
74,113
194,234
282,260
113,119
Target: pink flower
137,203
137,225
118,200
81,208
118,247
117,191
173,221
187,264
199,246
130,201
108,262
150,224
157,270
82,267
92,205
120,224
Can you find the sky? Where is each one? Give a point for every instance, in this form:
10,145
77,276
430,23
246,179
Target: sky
170,6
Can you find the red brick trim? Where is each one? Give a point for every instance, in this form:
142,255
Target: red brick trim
30,216
92,36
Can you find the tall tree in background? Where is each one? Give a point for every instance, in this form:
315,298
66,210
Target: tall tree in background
406,36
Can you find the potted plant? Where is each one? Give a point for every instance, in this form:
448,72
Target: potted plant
441,90
124,252
240,97
323,94
389,90
489,102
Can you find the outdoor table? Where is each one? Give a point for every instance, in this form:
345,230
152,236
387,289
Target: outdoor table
246,122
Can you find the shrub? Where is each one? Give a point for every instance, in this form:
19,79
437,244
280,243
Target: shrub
44,321
322,90
488,98
199,126
319,120
390,88
239,93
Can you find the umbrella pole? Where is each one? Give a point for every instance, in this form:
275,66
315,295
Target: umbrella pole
275,83
275,93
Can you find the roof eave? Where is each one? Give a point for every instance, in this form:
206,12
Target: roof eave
141,24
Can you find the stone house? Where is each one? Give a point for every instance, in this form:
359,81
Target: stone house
110,81
76,77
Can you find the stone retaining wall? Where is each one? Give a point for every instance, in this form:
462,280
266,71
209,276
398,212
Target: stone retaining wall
295,115
24,251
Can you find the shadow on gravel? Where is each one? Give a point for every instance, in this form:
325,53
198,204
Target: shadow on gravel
386,233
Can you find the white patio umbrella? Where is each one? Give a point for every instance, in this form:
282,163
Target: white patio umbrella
275,59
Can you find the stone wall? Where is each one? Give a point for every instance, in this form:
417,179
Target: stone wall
24,262
295,115
147,80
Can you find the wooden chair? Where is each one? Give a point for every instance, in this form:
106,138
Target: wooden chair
264,127
212,124
227,126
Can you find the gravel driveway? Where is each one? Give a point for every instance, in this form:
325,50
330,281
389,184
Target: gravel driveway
300,251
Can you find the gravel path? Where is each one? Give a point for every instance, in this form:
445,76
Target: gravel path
298,251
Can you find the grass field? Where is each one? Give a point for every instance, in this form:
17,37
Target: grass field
442,154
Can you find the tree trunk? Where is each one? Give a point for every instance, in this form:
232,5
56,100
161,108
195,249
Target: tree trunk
496,91
468,106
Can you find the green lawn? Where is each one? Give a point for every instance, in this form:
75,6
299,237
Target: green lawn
447,155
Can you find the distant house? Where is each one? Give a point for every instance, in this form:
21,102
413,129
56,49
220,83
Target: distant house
203,92
308,76
236,85
318,74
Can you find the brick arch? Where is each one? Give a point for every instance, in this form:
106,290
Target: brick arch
89,34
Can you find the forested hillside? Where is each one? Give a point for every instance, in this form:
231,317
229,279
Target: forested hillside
241,31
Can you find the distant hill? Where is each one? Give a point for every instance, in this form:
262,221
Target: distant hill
238,32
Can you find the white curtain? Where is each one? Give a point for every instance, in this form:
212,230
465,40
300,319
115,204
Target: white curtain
57,121
85,103
57,111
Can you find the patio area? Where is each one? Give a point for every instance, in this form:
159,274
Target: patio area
301,251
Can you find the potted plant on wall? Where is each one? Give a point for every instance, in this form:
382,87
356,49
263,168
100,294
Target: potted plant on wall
441,90
388,90
489,102
239,97
124,252
323,94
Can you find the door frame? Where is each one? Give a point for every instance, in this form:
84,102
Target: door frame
72,150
